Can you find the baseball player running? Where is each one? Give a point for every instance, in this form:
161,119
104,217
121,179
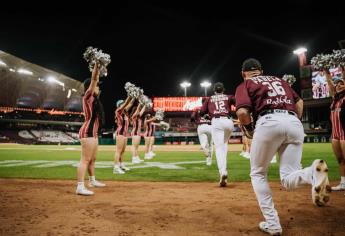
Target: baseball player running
218,108
204,134
276,108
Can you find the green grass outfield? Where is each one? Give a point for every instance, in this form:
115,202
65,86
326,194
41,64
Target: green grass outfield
58,162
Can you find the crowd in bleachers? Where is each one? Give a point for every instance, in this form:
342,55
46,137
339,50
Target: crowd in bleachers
52,136
38,137
182,125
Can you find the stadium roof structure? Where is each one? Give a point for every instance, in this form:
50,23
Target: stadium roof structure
25,84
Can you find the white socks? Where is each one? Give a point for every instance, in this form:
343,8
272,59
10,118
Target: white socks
342,179
80,184
92,178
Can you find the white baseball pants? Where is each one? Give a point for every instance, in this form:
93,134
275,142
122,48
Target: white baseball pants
205,138
282,133
221,132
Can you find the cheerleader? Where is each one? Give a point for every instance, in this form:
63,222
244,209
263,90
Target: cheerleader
122,121
136,120
88,133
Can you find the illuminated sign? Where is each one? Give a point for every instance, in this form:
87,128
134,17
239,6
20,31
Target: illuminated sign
177,103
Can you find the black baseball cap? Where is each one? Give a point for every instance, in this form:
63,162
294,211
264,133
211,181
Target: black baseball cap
87,83
218,87
251,64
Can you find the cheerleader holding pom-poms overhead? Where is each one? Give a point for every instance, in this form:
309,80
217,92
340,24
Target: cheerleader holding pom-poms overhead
94,117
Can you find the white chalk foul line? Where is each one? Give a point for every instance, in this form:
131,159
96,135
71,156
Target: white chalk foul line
99,164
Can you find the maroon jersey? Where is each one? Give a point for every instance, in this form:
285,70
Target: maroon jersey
199,119
218,105
91,123
262,93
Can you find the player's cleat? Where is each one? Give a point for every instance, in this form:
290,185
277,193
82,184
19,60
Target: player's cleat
96,183
339,187
263,226
136,160
320,184
246,155
83,191
118,170
208,161
223,180
148,156
124,168
242,154
152,154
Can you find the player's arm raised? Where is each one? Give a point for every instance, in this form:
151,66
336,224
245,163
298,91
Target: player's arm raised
142,110
130,104
137,111
94,79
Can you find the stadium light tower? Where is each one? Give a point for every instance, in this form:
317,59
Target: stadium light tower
185,85
205,85
300,52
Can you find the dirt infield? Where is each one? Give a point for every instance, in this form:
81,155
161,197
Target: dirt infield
39,207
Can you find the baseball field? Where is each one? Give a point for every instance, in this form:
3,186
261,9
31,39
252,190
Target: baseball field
175,193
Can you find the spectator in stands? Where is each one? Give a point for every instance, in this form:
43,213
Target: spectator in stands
88,133
122,122
337,91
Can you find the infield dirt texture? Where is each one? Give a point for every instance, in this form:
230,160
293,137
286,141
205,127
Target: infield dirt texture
123,208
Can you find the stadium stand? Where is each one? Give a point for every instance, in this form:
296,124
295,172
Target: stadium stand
53,136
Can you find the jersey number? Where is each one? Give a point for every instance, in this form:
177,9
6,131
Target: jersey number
220,105
275,88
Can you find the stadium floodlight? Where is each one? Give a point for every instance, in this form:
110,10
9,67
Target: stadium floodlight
74,90
205,85
52,79
69,93
2,63
24,72
185,85
12,70
299,51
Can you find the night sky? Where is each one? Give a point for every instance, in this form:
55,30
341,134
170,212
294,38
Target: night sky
157,45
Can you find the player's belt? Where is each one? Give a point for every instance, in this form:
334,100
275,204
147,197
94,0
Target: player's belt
222,117
277,111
